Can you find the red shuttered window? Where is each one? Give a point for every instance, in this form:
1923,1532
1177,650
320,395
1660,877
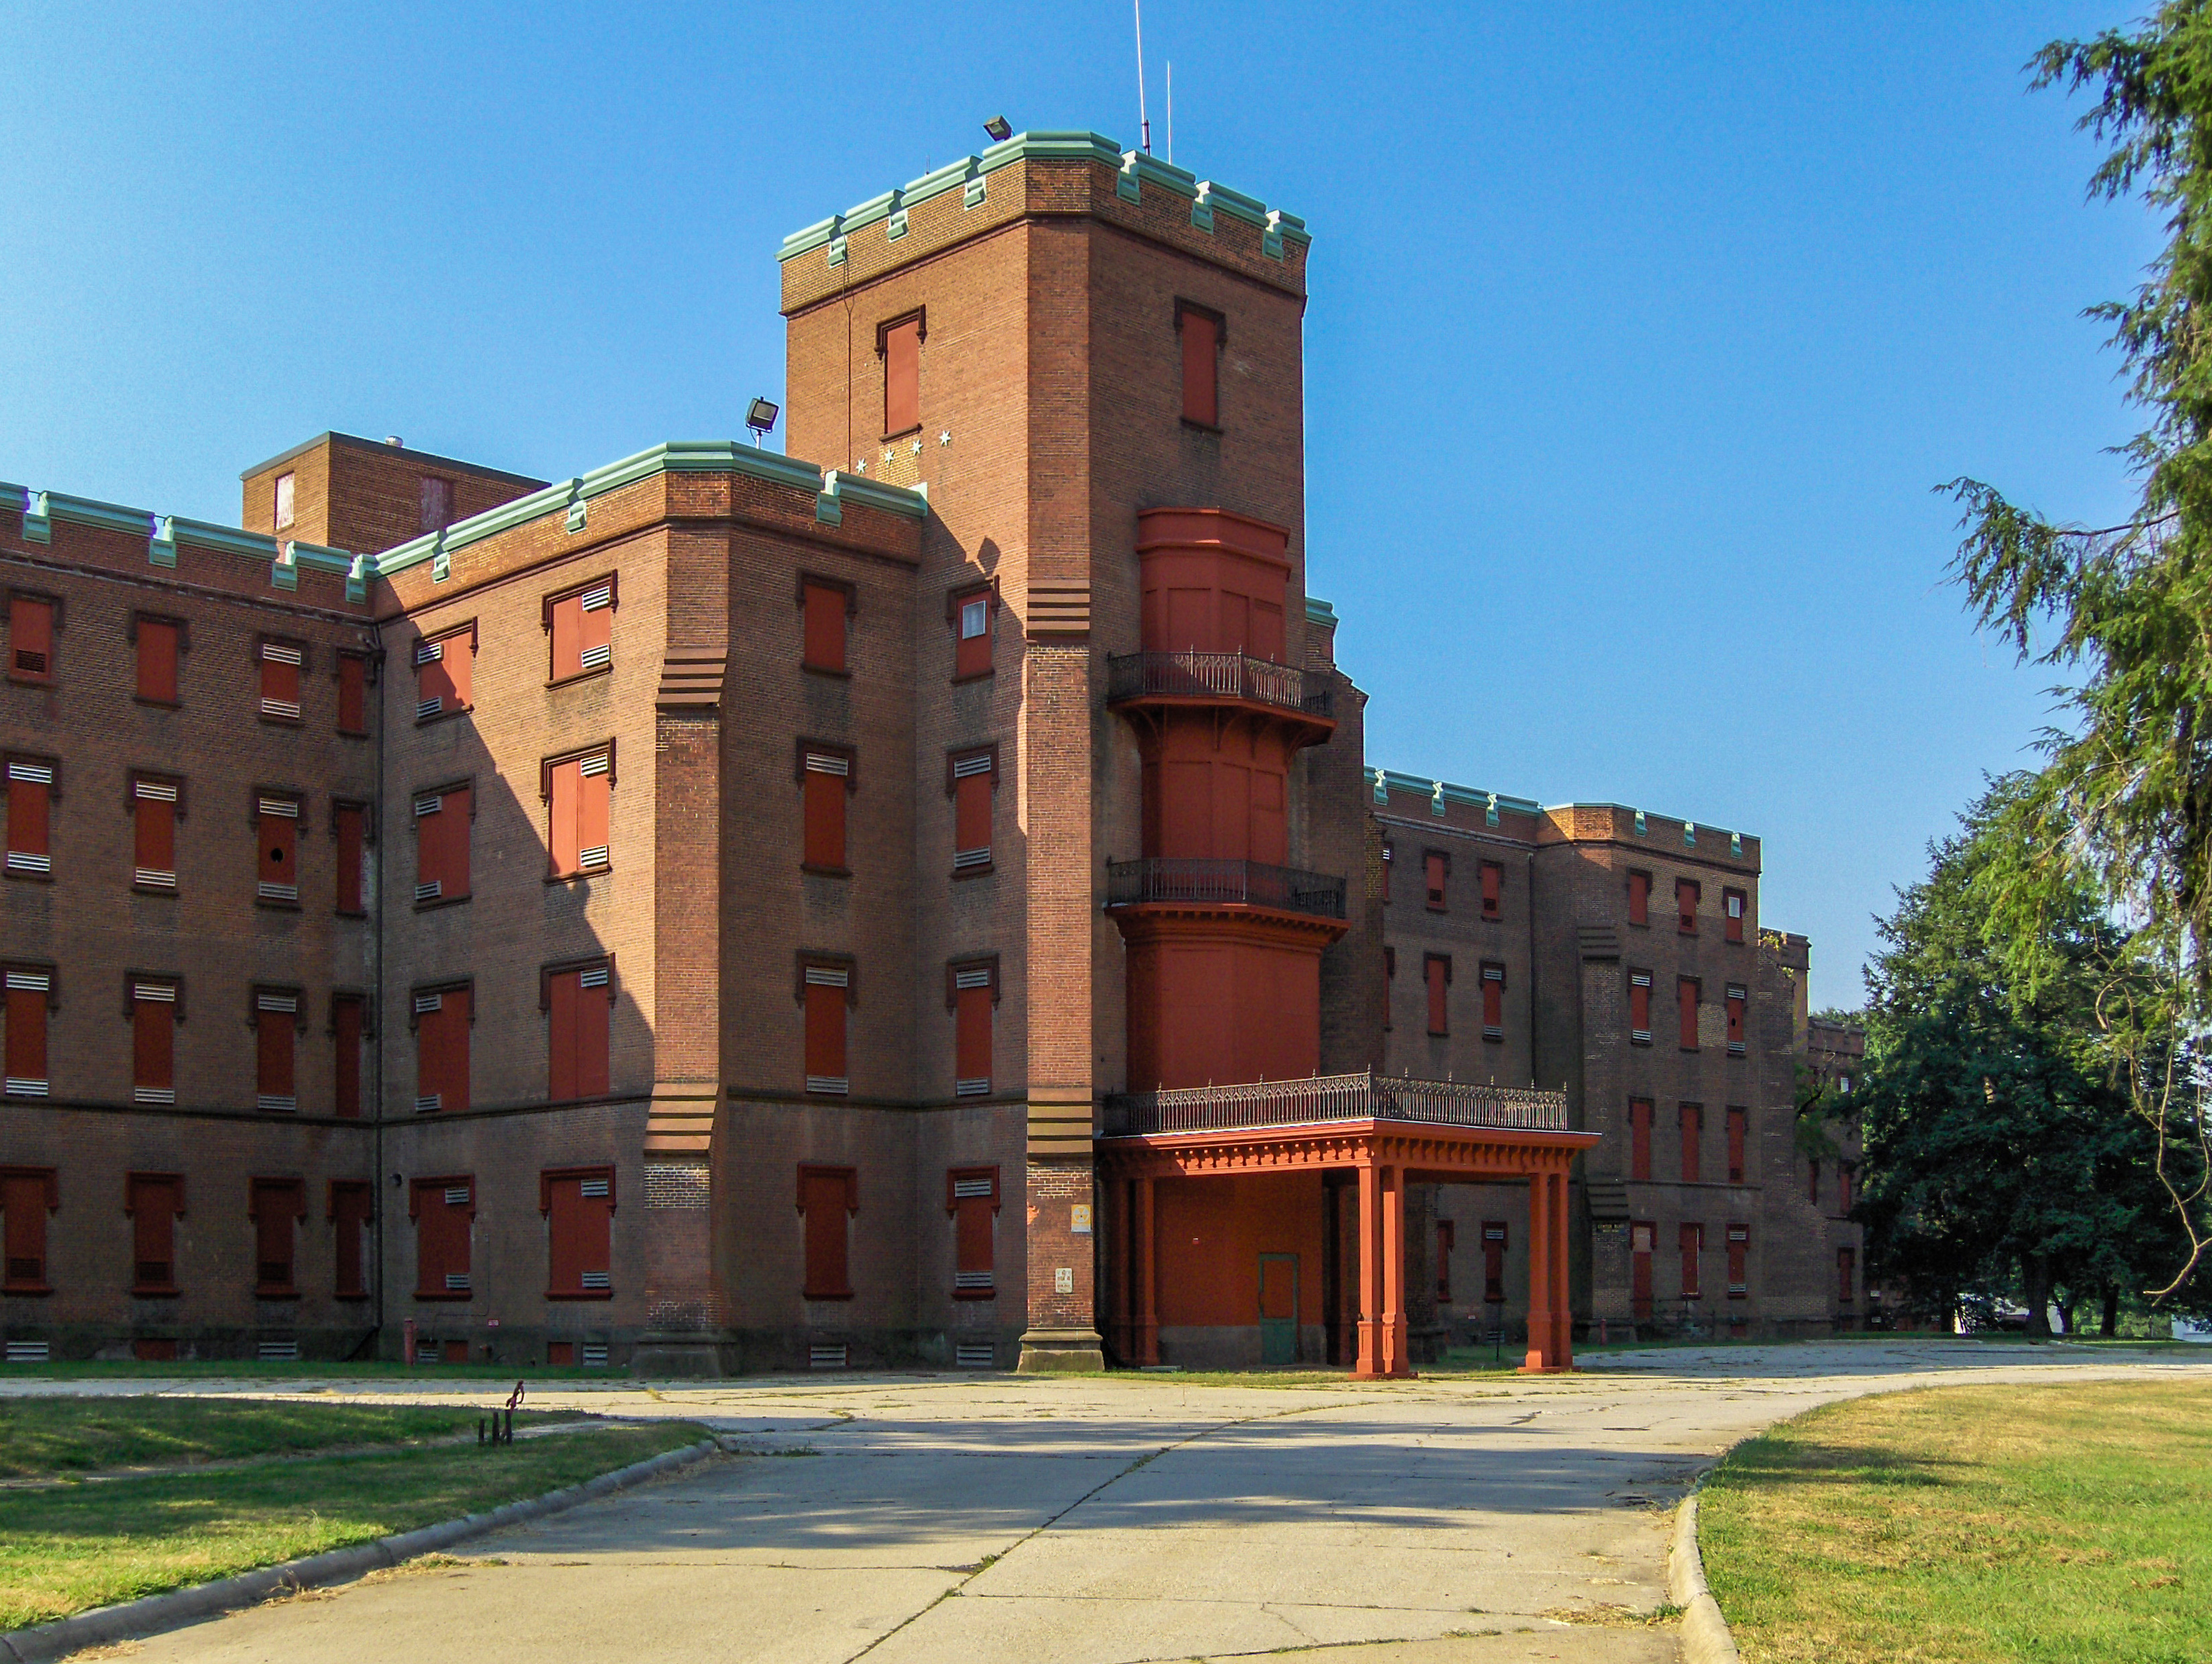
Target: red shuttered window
158,641
578,1000
30,638
579,791
1739,1258
1436,971
969,611
1686,906
1732,911
971,1200
32,783
443,1211
1202,334
825,606
1436,867
30,993
826,775
1845,1175
1640,898
579,1205
1847,1277
1739,1127
828,1198
1691,1238
276,820
28,1195
278,1207
1639,1008
1639,1139
282,663
441,1017
442,843
156,1007
1735,1003
348,1026
444,667
1685,1000
1643,1238
972,778
155,1202
156,804
349,832
1493,1260
276,1016
352,1209
826,991
1690,1119
898,343
581,625
353,695
1493,1002
1493,889
971,990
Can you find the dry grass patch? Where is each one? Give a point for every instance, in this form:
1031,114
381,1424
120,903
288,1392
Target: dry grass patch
1966,1525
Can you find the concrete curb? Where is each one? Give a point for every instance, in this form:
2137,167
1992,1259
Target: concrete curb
1705,1637
338,1565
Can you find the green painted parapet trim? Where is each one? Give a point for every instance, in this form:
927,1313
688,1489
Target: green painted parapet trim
1319,611
175,529
13,496
1440,793
1135,167
107,516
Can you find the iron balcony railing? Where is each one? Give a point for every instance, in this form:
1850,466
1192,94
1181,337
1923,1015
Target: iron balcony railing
1218,675
1252,883
1334,1098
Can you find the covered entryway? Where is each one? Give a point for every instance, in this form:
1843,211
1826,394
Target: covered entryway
1352,1132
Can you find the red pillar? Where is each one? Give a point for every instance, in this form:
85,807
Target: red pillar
1371,1273
1540,1274
1144,1275
1394,1361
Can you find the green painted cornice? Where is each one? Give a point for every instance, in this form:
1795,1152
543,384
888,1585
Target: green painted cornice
13,496
1319,611
107,516
225,540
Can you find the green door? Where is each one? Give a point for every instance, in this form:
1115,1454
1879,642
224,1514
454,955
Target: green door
1279,1309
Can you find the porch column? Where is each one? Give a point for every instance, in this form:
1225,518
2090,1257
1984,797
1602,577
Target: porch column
1394,1361
1563,1316
1540,1274
1143,1276
1370,1274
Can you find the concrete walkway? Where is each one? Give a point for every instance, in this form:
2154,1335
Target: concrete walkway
1110,1521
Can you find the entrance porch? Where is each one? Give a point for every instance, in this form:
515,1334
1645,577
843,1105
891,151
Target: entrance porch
1276,1213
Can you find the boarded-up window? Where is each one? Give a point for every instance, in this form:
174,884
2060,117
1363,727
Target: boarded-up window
828,1198
1739,1121
437,502
353,694
444,668
1739,1258
579,790
281,507
154,805
157,645
154,1004
347,1025
576,1022
824,607
278,1207
350,831
1639,1008
352,1205
972,1198
825,989
1732,909
441,1049
29,991
971,611
827,776
30,638
1640,898
281,664
900,343
1686,906
276,1011
972,990
1493,1002
1493,1260
32,783
153,1201
1493,889
443,1211
28,1195
1690,1118
581,624
1735,1004
1436,971
442,844
1685,1001
1847,1276
1436,867
1642,1239
276,818
1201,335
972,776
579,1205
1639,1139
1691,1238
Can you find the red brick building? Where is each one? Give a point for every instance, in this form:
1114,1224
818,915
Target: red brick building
927,902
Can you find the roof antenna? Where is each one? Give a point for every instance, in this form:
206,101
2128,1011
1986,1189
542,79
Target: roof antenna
1172,112
1144,124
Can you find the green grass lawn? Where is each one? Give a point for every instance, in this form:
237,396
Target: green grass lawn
1959,1525
70,1547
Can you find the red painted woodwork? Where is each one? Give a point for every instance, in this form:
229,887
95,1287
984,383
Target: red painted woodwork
1685,1002
1435,973
1686,906
353,694
444,670
1493,889
441,1052
30,638
272,1045
971,1035
280,686
902,346
153,1201
1640,898
157,662
1846,1276
442,843
154,833
1737,1129
824,809
971,1198
26,1034
1692,1240
1732,912
1735,1003
351,1206
1214,790
824,648
280,847
153,1041
1201,342
579,1205
1639,1008
1639,1139
581,790
583,630
28,1194
827,1197
29,816
279,1204
443,1211
1214,582
576,1034
825,1033
1436,872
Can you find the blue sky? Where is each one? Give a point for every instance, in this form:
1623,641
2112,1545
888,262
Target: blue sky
1637,334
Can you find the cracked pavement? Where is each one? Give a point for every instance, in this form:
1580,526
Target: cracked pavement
914,1519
